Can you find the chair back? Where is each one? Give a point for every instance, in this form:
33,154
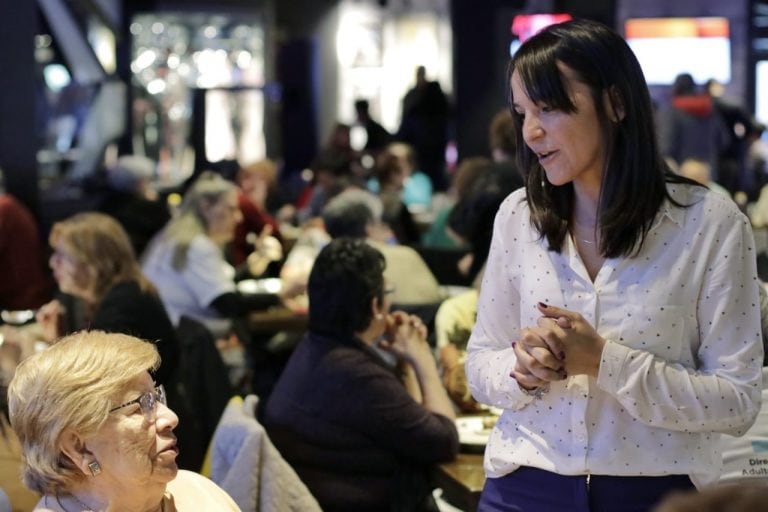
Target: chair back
245,463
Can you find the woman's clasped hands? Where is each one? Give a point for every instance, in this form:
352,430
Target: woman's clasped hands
563,343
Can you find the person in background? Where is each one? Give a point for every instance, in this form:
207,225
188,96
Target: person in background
618,326
731,159
23,281
96,433
133,202
186,259
691,127
393,171
93,261
255,181
356,213
468,172
361,435
503,146
331,174
471,219
424,125
377,136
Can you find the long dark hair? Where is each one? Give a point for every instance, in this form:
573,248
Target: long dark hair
635,175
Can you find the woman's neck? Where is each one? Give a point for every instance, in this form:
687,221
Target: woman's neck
149,499
586,203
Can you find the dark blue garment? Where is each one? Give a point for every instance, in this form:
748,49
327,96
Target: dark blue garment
535,490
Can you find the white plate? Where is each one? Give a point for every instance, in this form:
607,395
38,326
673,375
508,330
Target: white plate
475,430
267,285
19,317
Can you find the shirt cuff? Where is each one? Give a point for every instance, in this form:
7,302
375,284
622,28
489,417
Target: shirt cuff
515,394
612,363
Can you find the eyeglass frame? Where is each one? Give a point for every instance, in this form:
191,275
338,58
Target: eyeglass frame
157,395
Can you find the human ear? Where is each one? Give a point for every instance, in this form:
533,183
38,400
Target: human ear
377,309
73,447
614,104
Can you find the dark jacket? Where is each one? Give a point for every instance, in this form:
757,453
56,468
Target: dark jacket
343,419
129,310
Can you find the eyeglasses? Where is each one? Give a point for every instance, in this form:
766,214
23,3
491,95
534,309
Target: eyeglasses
147,402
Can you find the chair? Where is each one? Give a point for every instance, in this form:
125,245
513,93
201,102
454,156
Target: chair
443,263
245,463
203,372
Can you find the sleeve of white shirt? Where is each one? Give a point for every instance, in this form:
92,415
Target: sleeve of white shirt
723,393
490,358
207,274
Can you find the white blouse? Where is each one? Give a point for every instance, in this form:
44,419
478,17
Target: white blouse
683,354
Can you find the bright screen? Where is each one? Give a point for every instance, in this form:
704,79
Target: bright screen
526,25
667,47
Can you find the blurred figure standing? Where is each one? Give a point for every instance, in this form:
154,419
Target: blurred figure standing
691,127
424,125
23,282
377,136
731,159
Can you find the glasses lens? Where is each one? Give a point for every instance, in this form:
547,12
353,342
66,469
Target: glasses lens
160,395
147,403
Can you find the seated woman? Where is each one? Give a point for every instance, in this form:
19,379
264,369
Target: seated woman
360,433
186,259
93,261
96,433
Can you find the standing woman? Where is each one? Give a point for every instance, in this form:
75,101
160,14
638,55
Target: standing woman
618,323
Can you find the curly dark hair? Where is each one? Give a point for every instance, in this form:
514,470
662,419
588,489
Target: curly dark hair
346,276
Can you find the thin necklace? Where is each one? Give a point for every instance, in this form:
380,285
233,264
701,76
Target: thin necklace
586,241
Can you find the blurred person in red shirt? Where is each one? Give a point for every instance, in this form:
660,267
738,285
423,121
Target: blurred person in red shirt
24,283
256,181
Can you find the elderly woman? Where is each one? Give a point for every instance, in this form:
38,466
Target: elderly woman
93,261
96,433
361,433
186,259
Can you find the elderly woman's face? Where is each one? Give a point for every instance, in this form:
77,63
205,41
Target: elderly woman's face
133,451
71,275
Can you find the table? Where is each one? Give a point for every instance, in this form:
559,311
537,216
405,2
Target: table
277,319
461,480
